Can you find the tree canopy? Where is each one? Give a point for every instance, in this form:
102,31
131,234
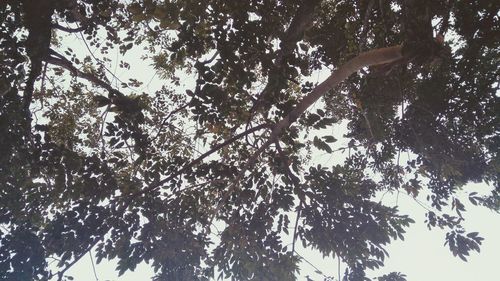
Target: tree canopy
219,180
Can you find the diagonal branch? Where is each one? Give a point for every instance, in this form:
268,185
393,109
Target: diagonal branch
132,196
369,58
57,59
199,159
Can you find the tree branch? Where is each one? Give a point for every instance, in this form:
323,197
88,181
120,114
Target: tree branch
37,19
157,185
198,160
369,58
302,21
57,59
68,29
164,121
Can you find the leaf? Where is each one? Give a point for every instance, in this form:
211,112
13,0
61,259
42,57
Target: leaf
329,139
473,199
113,141
312,118
321,145
473,234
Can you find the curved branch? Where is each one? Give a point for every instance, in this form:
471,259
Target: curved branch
369,58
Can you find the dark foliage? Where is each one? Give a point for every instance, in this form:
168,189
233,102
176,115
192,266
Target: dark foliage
176,179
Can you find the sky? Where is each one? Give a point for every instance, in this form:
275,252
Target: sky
421,256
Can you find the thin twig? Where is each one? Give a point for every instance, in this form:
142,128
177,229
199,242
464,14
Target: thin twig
294,240
338,266
103,65
308,262
103,118
164,121
42,87
199,159
93,265
60,274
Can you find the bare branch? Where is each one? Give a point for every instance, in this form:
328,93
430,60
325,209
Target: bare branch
164,121
68,29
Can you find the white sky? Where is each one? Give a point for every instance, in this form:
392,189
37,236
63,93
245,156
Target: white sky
422,256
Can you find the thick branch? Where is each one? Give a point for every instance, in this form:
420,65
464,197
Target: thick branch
300,23
37,16
369,58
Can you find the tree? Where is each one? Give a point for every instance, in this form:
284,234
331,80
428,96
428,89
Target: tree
145,176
